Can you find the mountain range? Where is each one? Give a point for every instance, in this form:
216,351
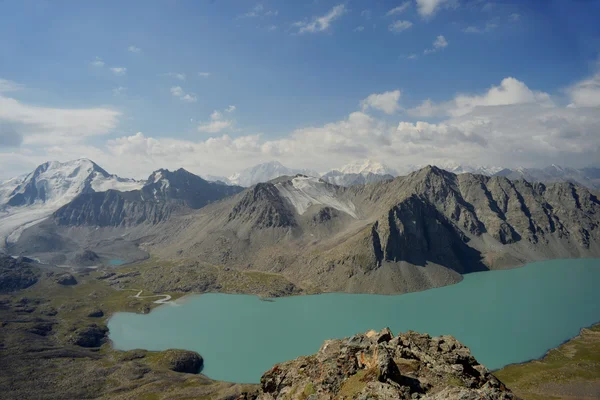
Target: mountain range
394,235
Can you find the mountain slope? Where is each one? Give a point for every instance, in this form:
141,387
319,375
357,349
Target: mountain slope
29,199
589,177
164,193
58,183
412,233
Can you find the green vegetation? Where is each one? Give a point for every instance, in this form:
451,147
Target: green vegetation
564,370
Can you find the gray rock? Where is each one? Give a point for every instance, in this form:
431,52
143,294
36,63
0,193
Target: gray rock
66,280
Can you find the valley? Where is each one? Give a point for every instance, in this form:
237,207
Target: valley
89,257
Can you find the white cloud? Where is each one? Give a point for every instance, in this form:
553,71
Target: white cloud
204,74
386,102
412,57
97,62
177,75
514,17
490,26
217,123
400,9
320,24
439,43
272,28
118,91
427,8
585,93
46,125
259,11
9,86
134,49
177,91
366,14
359,28
510,92
119,71
189,98
400,26
508,124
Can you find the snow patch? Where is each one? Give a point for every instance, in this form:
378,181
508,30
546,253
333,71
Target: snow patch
303,192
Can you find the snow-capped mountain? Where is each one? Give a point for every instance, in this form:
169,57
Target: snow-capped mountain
304,191
457,168
31,198
265,172
360,173
56,183
367,166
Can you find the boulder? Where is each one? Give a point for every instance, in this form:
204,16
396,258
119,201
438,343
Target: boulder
96,313
92,335
181,361
66,280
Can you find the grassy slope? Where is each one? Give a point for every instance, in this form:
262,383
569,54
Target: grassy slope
570,371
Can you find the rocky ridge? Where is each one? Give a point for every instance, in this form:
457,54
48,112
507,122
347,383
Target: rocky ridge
377,365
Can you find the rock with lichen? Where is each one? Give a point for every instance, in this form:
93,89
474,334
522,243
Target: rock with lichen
379,365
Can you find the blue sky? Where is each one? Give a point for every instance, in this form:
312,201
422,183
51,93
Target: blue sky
215,86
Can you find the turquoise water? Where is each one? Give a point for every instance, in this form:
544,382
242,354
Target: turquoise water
116,262
503,316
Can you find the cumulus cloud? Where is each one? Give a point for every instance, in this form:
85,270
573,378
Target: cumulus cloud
586,93
35,125
9,86
134,49
400,26
399,10
177,91
428,8
510,91
359,28
204,74
217,123
386,102
9,135
507,124
439,43
320,24
119,71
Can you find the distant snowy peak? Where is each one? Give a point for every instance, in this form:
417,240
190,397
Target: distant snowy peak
304,191
366,167
57,183
266,172
471,169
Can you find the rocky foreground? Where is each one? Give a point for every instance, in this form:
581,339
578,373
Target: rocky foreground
377,365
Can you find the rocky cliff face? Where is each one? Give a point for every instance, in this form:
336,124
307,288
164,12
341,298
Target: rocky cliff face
165,192
415,232
377,365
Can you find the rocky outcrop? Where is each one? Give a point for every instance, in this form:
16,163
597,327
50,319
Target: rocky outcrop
181,361
92,335
165,193
263,207
86,257
377,365
15,274
66,280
